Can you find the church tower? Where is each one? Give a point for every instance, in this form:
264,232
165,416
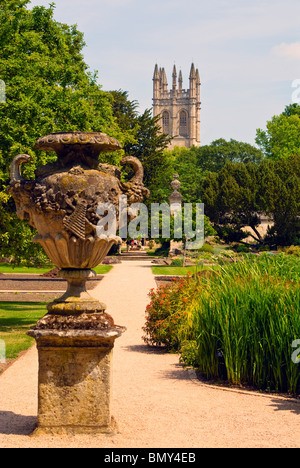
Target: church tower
179,109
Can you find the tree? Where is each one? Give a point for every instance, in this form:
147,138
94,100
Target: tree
236,196
183,161
214,156
144,140
48,89
292,109
125,111
148,147
281,138
279,183
229,197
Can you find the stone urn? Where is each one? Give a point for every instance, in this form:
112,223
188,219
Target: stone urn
76,336
61,204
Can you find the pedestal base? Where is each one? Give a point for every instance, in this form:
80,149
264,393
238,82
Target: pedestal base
74,384
62,431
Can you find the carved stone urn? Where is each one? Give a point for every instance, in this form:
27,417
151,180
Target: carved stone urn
75,338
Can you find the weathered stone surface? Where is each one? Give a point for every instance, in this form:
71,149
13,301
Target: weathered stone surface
61,204
75,367
75,389
75,339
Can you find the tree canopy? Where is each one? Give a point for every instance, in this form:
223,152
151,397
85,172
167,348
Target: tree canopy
214,156
144,140
281,138
236,196
49,88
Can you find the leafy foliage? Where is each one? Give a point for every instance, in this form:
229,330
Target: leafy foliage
278,196
281,138
235,197
214,156
48,89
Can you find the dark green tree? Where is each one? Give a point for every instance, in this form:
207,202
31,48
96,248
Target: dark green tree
143,139
149,148
279,183
236,196
229,198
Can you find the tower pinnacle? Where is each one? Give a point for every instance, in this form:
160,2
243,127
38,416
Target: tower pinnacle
177,108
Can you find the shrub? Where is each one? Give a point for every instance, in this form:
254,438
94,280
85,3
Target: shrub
207,248
243,248
177,262
167,313
292,250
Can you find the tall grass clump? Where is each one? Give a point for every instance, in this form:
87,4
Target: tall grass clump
242,321
245,324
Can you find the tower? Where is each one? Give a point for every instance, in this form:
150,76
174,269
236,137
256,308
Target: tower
179,109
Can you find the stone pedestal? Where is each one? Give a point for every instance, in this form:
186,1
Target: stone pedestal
74,383
75,339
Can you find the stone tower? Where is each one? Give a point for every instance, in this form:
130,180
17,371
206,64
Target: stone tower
179,109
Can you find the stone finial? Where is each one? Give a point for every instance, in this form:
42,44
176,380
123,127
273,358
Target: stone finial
175,198
175,182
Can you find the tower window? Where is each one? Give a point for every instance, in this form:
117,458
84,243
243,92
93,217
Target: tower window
166,122
183,130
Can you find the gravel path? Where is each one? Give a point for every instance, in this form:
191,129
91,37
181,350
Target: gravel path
157,404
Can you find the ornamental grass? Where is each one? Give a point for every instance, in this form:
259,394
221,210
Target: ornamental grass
237,325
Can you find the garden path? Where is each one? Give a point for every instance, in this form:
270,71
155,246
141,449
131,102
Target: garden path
157,403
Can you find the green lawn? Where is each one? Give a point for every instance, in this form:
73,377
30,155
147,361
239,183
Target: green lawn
15,319
102,269
162,270
7,268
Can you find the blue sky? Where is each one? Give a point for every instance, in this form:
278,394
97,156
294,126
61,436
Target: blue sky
247,53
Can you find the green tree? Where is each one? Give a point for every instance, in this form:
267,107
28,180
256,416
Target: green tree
143,139
149,148
214,156
183,161
282,135
48,89
125,111
236,196
279,183
229,198
292,109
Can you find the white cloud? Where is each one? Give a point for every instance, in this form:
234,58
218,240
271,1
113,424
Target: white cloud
287,50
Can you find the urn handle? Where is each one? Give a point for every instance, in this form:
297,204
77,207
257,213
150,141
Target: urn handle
15,168
137,166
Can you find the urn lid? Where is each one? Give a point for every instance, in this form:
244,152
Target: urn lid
78,147
57,141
